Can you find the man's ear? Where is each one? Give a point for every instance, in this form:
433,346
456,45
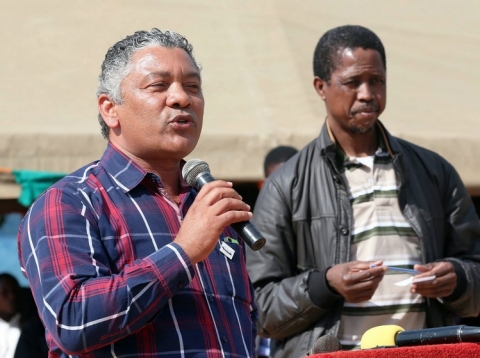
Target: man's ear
108,109
320,85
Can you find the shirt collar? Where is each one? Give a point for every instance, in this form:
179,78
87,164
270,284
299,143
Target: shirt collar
125,172
382,137
342,159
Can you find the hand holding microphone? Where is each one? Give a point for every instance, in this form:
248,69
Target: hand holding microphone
216,206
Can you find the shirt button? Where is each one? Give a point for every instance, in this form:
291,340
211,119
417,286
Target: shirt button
343,230
181,285
210,298
224,339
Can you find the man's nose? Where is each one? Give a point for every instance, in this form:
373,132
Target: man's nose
365,92
177,96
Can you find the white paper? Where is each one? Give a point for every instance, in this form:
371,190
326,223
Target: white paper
413,279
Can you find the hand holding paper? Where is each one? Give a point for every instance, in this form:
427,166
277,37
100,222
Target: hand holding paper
414,279
411,279
442,286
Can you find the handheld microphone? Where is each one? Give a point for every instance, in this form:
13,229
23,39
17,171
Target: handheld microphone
325,344
391,335
196,173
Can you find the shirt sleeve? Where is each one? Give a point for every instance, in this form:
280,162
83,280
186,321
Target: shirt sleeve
80,291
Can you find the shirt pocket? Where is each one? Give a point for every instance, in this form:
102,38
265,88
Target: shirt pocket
233,271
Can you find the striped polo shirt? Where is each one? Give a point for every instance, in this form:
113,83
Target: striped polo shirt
380,232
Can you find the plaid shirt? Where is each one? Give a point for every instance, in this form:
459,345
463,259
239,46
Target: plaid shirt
108,281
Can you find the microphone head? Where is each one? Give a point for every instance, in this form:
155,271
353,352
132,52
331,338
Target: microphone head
326,344
380,336
192,169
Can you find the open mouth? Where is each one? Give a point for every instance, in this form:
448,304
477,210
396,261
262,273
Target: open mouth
182,120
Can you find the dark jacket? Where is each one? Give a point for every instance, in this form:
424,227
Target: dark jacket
305,214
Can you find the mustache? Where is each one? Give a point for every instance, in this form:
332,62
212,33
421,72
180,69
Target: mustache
366,108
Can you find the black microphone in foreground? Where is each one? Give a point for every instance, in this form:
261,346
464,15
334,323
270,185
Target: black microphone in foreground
391,335
196,173
325,344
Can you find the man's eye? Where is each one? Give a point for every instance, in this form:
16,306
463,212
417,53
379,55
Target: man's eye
193,87
158,85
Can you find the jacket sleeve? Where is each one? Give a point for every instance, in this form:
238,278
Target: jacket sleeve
283,290
462,238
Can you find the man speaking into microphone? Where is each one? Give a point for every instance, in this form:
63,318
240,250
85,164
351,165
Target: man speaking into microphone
124,258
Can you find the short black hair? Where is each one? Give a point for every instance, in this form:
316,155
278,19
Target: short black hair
328,50
278,155
5,276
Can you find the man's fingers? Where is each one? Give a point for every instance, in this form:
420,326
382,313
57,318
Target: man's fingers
228,205
362,291
218,194
220,198
439,287
231,217
360,286
212,186
438,269
434,293
364,275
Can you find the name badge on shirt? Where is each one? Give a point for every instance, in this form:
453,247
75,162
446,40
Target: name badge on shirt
227,250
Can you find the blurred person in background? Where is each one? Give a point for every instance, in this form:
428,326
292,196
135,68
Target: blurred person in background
32,343
10,317
276,157
273,160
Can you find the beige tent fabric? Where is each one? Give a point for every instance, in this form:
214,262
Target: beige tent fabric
8,187
256,58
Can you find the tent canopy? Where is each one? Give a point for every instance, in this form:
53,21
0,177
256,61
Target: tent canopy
257,73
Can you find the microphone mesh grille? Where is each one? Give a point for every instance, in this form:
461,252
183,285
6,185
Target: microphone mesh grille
192,168
326,344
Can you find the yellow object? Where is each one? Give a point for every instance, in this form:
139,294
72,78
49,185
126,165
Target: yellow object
381,336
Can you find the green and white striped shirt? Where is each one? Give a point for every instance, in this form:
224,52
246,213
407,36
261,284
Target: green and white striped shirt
380,232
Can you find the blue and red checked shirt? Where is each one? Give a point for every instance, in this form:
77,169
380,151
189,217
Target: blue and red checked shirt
97,248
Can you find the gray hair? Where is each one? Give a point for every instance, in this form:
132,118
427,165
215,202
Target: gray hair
117,63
